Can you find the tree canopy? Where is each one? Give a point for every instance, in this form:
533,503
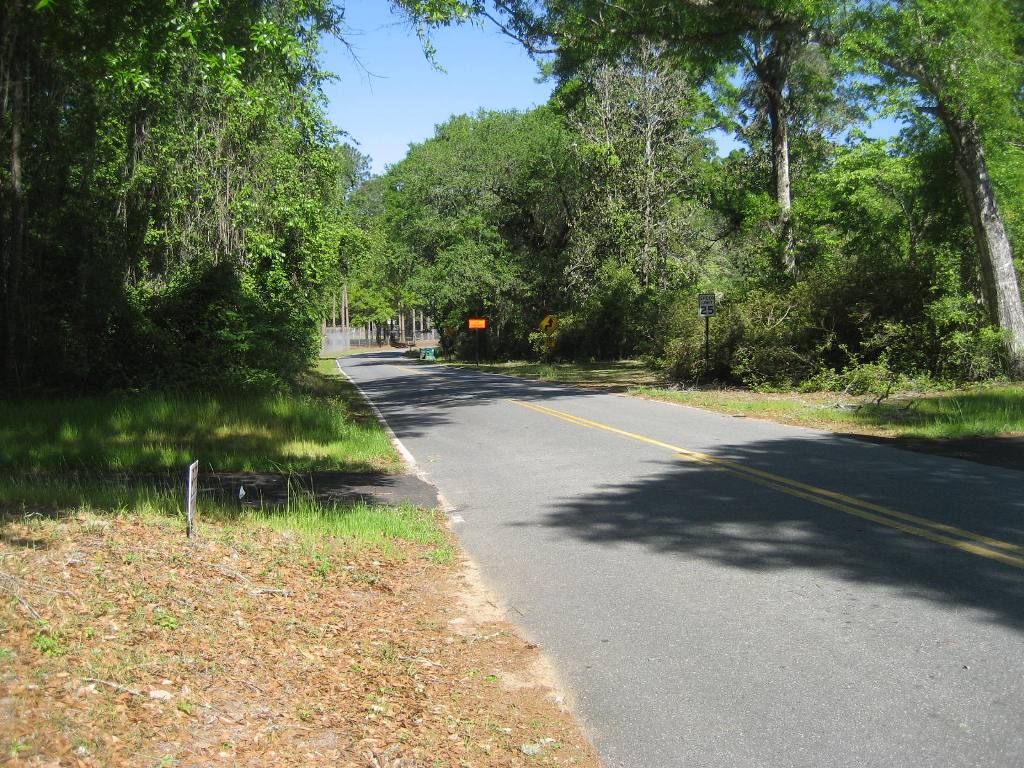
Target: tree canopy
177,209
833,251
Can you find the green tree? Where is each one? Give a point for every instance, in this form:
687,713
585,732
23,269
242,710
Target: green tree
172,198
767,37
640,222
482,214
960,62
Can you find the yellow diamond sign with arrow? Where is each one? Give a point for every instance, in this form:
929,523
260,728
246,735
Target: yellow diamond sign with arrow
549,324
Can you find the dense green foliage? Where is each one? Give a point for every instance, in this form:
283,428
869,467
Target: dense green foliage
608,207
173,198
477,216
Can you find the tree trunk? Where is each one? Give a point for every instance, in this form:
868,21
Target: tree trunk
778,120
16,237
999,278
772,61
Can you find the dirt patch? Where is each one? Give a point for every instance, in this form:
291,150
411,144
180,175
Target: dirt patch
121,644
483,615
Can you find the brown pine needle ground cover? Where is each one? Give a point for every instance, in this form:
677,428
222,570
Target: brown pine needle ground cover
123,644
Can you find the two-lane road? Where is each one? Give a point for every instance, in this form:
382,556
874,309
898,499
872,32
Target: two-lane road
716,591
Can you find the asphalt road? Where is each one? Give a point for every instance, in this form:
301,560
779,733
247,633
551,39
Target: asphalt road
717,591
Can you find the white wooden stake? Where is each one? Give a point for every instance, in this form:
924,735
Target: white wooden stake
191,492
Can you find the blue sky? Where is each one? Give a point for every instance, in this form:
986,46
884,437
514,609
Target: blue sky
393,97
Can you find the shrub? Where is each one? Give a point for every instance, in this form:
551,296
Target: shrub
776,349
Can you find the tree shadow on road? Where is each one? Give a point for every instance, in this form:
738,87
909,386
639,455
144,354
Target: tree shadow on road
703,512
699,511
430,394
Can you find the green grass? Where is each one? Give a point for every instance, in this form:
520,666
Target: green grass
362,524
322,424
359,524
979,411
982,411
30,495
63,456
621,373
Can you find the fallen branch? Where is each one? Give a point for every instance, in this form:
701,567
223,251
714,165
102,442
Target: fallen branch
28,608
889,384
7,582
248,684
231,573
475,638
36,586
115,686
286,727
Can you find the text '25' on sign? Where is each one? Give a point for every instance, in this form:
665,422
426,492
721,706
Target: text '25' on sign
706,305
477,323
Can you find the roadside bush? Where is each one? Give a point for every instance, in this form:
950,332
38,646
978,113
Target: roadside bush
208,331
965,348
777,347
972,355
571,339
539,346
617,319
764,340
857,378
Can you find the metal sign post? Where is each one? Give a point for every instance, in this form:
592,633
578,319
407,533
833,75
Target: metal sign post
477,324
706,309
191,492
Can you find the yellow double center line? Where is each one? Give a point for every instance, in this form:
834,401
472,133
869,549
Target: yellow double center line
965,541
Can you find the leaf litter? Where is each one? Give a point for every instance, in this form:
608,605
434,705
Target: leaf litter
123,644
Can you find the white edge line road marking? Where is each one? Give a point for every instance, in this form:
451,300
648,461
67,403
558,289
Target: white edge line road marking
404,452
407,457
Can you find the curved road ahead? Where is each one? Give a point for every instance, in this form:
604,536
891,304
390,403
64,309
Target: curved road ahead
716,591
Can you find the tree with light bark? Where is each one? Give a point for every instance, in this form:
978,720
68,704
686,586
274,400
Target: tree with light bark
960,63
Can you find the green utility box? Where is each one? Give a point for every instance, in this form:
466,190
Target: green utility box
428,353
